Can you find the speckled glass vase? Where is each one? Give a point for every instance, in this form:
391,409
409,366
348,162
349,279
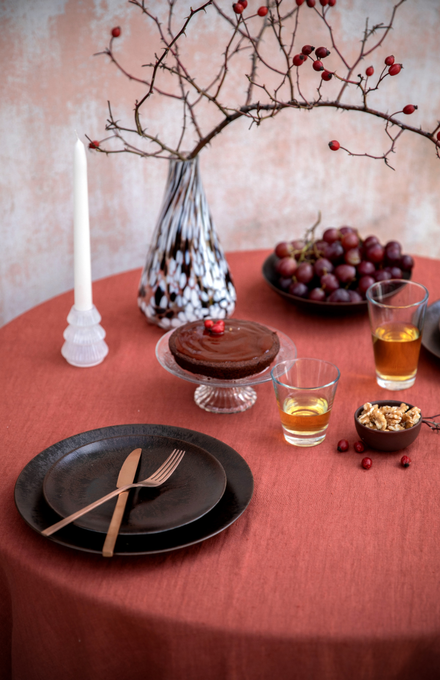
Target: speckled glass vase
186,276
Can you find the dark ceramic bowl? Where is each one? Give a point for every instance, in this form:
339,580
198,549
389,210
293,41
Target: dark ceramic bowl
387,441
271,277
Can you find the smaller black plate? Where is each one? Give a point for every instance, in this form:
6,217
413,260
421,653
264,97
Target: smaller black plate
271,277
90,472
431,331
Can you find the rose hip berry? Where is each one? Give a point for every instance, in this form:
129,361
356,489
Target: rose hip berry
244,3
408,109
317,65
238,8
262,11
116,32
389,61
311,3
322,52
369,71
323,2
366,463
331,3
343,445
218,328
359,447
94,145
395,69
405,461
334,145
299,59
299,2
307,49
326,75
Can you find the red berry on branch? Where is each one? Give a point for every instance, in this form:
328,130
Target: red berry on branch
317,65
311,3
244,3
331,3
262,11
326,75
116,32
238,8
322,52
395,69
405,461
299,59
409,108
369,71
299,2
323,2
94,145
389,61
438,136
307,49
367,463
334,145
343,445
359,447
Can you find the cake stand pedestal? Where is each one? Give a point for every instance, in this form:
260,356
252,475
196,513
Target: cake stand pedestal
223,396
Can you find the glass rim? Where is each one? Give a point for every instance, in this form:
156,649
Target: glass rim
291,362
378,303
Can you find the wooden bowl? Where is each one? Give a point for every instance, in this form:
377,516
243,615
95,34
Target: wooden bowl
387,441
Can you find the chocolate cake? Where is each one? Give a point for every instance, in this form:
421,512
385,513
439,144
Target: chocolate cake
243,348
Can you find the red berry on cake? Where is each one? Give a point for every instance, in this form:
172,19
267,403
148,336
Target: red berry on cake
218,328
209,323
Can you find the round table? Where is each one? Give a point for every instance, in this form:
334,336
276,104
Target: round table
331,572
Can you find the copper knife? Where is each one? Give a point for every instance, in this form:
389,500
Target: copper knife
126,476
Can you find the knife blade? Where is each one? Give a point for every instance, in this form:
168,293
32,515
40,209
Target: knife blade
126,476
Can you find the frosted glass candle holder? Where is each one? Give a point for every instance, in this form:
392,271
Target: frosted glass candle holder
84,338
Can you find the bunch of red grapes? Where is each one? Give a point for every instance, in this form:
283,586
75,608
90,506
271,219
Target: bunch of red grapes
339,267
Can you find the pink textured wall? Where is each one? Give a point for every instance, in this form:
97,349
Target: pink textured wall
263,185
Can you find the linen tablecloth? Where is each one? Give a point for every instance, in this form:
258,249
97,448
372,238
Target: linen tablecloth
332,572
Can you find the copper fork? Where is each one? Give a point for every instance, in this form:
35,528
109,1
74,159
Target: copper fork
159,477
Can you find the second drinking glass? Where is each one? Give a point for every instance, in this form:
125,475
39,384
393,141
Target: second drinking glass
397,313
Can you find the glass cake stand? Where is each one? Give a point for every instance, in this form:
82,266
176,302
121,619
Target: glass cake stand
223,396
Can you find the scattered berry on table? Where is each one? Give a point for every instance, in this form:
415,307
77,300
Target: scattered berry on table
405,461
359,447
343,445
366,463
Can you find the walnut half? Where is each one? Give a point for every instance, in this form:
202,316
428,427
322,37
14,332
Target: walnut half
389,418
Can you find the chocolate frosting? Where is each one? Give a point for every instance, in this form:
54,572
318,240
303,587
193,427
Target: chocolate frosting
241,341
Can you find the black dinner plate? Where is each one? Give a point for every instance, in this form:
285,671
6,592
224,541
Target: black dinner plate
431,330
32,506
271,277
90,472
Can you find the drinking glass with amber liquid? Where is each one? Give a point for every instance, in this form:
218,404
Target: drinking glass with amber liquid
305,390
397,312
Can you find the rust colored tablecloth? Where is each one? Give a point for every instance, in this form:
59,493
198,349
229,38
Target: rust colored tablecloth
333,572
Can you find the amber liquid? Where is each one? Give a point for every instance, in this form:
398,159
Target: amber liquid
305,414
396,350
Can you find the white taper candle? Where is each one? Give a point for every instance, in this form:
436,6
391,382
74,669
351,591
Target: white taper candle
81,232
